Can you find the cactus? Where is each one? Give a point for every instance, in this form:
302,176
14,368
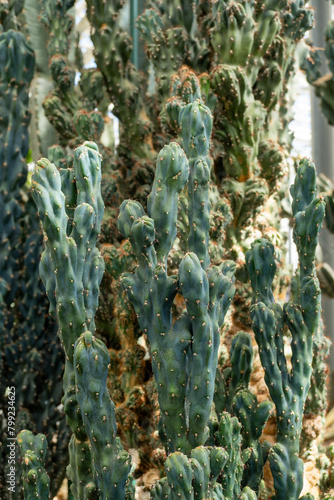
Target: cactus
193,477
202,300
35,479
111,463
72,110
250,45
232,395
73,290
183,422
323,84
17,67
32,359
129,364
289,389
243,86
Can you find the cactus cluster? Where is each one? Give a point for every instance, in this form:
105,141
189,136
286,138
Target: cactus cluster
289,387
210,431
202,154
31,357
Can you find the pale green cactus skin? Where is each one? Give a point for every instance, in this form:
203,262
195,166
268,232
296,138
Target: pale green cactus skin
101,467
247,50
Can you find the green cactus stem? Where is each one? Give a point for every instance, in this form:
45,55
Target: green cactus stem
289,388
36,482
70,252
111,463
17,67
193,340
192,477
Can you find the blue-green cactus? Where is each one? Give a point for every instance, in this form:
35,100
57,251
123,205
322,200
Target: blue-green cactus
237,376
30,350
111,462
228,436
253,417
289,388
101,466
81,470
76,263
192,477
186,348
196,127
36,482
17,67
193,340
232,395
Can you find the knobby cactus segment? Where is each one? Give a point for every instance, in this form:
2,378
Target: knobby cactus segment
253,417
111,462
308,212
70,249
228,436
188,113
99,467
171,175
184,354
196,128
76,264
192,477
235,377
289,388
17,63
232,396
36,482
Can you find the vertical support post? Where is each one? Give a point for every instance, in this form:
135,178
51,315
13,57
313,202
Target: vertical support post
138,57
134,31
323,156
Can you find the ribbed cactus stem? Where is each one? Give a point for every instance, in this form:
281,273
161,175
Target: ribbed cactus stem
36,482
76,268
288,388
186,398
111,463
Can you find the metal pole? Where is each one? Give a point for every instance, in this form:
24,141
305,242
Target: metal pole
138,57
323,156
134,31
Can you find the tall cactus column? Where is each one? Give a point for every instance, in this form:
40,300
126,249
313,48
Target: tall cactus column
16,71
73,289
184,354
289,388
77,268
